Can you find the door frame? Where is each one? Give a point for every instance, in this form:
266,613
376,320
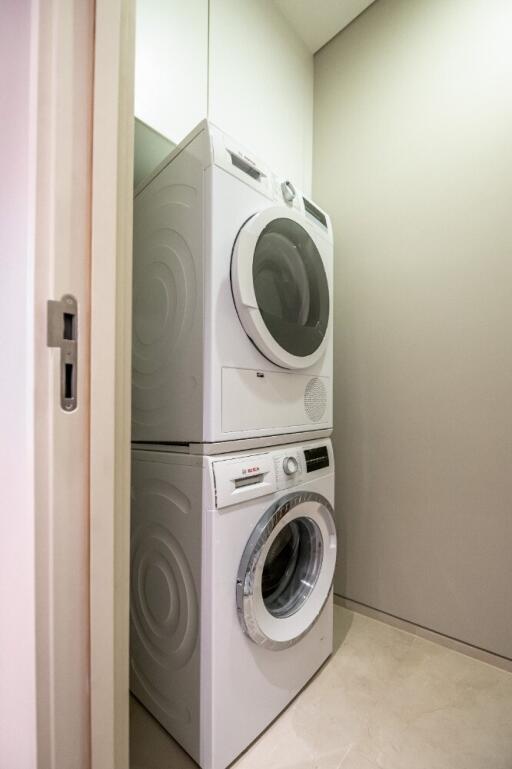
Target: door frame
111,292
60,125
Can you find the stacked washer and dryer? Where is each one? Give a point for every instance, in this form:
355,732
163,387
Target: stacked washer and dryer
233,540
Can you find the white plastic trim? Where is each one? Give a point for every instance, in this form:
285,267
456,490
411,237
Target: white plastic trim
257,622
245,297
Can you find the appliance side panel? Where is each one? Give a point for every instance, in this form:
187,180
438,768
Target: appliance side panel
166,605
168,295
210,311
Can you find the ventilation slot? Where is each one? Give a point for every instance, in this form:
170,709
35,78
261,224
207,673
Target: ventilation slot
315,399
246,166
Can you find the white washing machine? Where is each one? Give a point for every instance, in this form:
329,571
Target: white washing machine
232,312
231,601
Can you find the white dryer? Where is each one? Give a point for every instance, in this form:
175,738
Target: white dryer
231,603
232,304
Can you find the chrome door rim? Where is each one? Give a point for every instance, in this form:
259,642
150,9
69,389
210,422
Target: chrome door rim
248,588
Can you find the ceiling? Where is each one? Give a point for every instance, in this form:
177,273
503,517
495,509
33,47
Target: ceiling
317,21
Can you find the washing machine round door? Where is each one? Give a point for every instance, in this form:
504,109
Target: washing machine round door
279,271
286,571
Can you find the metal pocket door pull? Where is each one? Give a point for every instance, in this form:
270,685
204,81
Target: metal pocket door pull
62,332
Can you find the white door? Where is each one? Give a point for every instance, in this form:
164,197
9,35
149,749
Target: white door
50,48
66,161
63,111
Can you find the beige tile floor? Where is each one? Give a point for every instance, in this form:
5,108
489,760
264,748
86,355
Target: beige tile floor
385,700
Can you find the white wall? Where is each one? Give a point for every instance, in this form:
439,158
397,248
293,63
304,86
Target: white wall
171,65
17,559
256,86
413,160
261,85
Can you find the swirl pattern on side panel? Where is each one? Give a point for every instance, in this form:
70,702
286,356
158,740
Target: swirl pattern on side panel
165,289
164,607
171,706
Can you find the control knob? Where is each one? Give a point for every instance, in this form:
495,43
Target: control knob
290,465
289,192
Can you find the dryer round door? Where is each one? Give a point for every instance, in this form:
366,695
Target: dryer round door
280,287
286,571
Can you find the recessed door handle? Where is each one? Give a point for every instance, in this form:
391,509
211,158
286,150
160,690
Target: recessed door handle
63,333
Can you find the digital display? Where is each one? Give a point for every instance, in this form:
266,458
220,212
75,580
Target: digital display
316,458
314,211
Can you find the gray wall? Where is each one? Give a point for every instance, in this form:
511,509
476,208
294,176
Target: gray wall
413,159
150,149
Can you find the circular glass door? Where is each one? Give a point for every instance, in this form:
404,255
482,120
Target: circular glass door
286,570
281,289
292,567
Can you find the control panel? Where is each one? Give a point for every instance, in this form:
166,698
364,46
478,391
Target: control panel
239,162
293,466
243,164
255,475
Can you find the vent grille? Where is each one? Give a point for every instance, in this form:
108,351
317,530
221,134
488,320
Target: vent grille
315,399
